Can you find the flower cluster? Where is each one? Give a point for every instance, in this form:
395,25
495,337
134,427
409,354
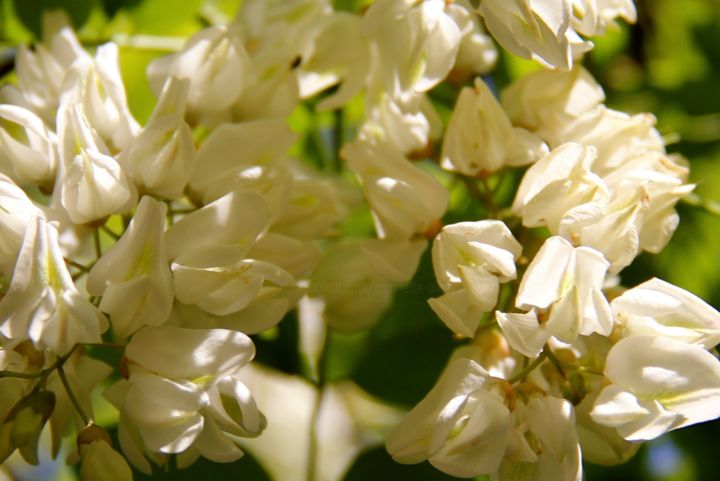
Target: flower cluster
176,240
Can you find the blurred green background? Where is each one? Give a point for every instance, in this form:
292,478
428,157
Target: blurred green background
668,64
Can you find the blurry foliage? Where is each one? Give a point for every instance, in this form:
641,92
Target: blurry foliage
668,64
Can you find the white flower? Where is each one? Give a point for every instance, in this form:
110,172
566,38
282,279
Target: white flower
462,426
405,199
404,126
221,282
471,259
661,309
537,29
97,86
93,184
611,228
234,221
356,279
182,391
558,182
592,17
133,277
340,55
480,139
417,42
547,427
312,210
664,179
31,158
617,136
657,384
162,156
42,303
459,311
523,331
545,102
16,212
270,91
568,282
214,60
245,155
41,71
100,462
600,444
477,53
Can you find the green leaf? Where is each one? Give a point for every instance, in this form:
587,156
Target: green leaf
30,12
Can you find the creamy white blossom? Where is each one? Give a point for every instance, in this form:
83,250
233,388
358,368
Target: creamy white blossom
471,259
546,102
93,184
29,156
182,392
417,42
16,212
480,139
405,199
659,308
567,282
558,182
162,156
462,426
96,85
657,384
133,276
215,61
537,29
43,304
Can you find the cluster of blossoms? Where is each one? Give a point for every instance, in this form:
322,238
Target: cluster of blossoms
177,240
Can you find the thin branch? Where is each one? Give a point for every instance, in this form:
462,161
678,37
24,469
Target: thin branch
530,368
96,242
71,395
110,232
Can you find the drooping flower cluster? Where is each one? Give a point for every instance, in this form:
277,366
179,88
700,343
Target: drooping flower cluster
176,240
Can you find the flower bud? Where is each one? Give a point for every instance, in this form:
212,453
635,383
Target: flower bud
535,29
546,102
98,460
22,427
568,281
16,212
417,41
43,304
404,199
31,155
133,276
480,139
93,184
214,60
162,157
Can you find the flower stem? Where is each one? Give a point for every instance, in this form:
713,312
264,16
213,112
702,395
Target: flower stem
71,395
530,368
554,360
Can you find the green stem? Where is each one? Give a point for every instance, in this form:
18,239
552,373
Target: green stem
71,395
489,199
554,360
77,265
530,368
313,435
96,242
109,345
110,232
709,206
338,138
